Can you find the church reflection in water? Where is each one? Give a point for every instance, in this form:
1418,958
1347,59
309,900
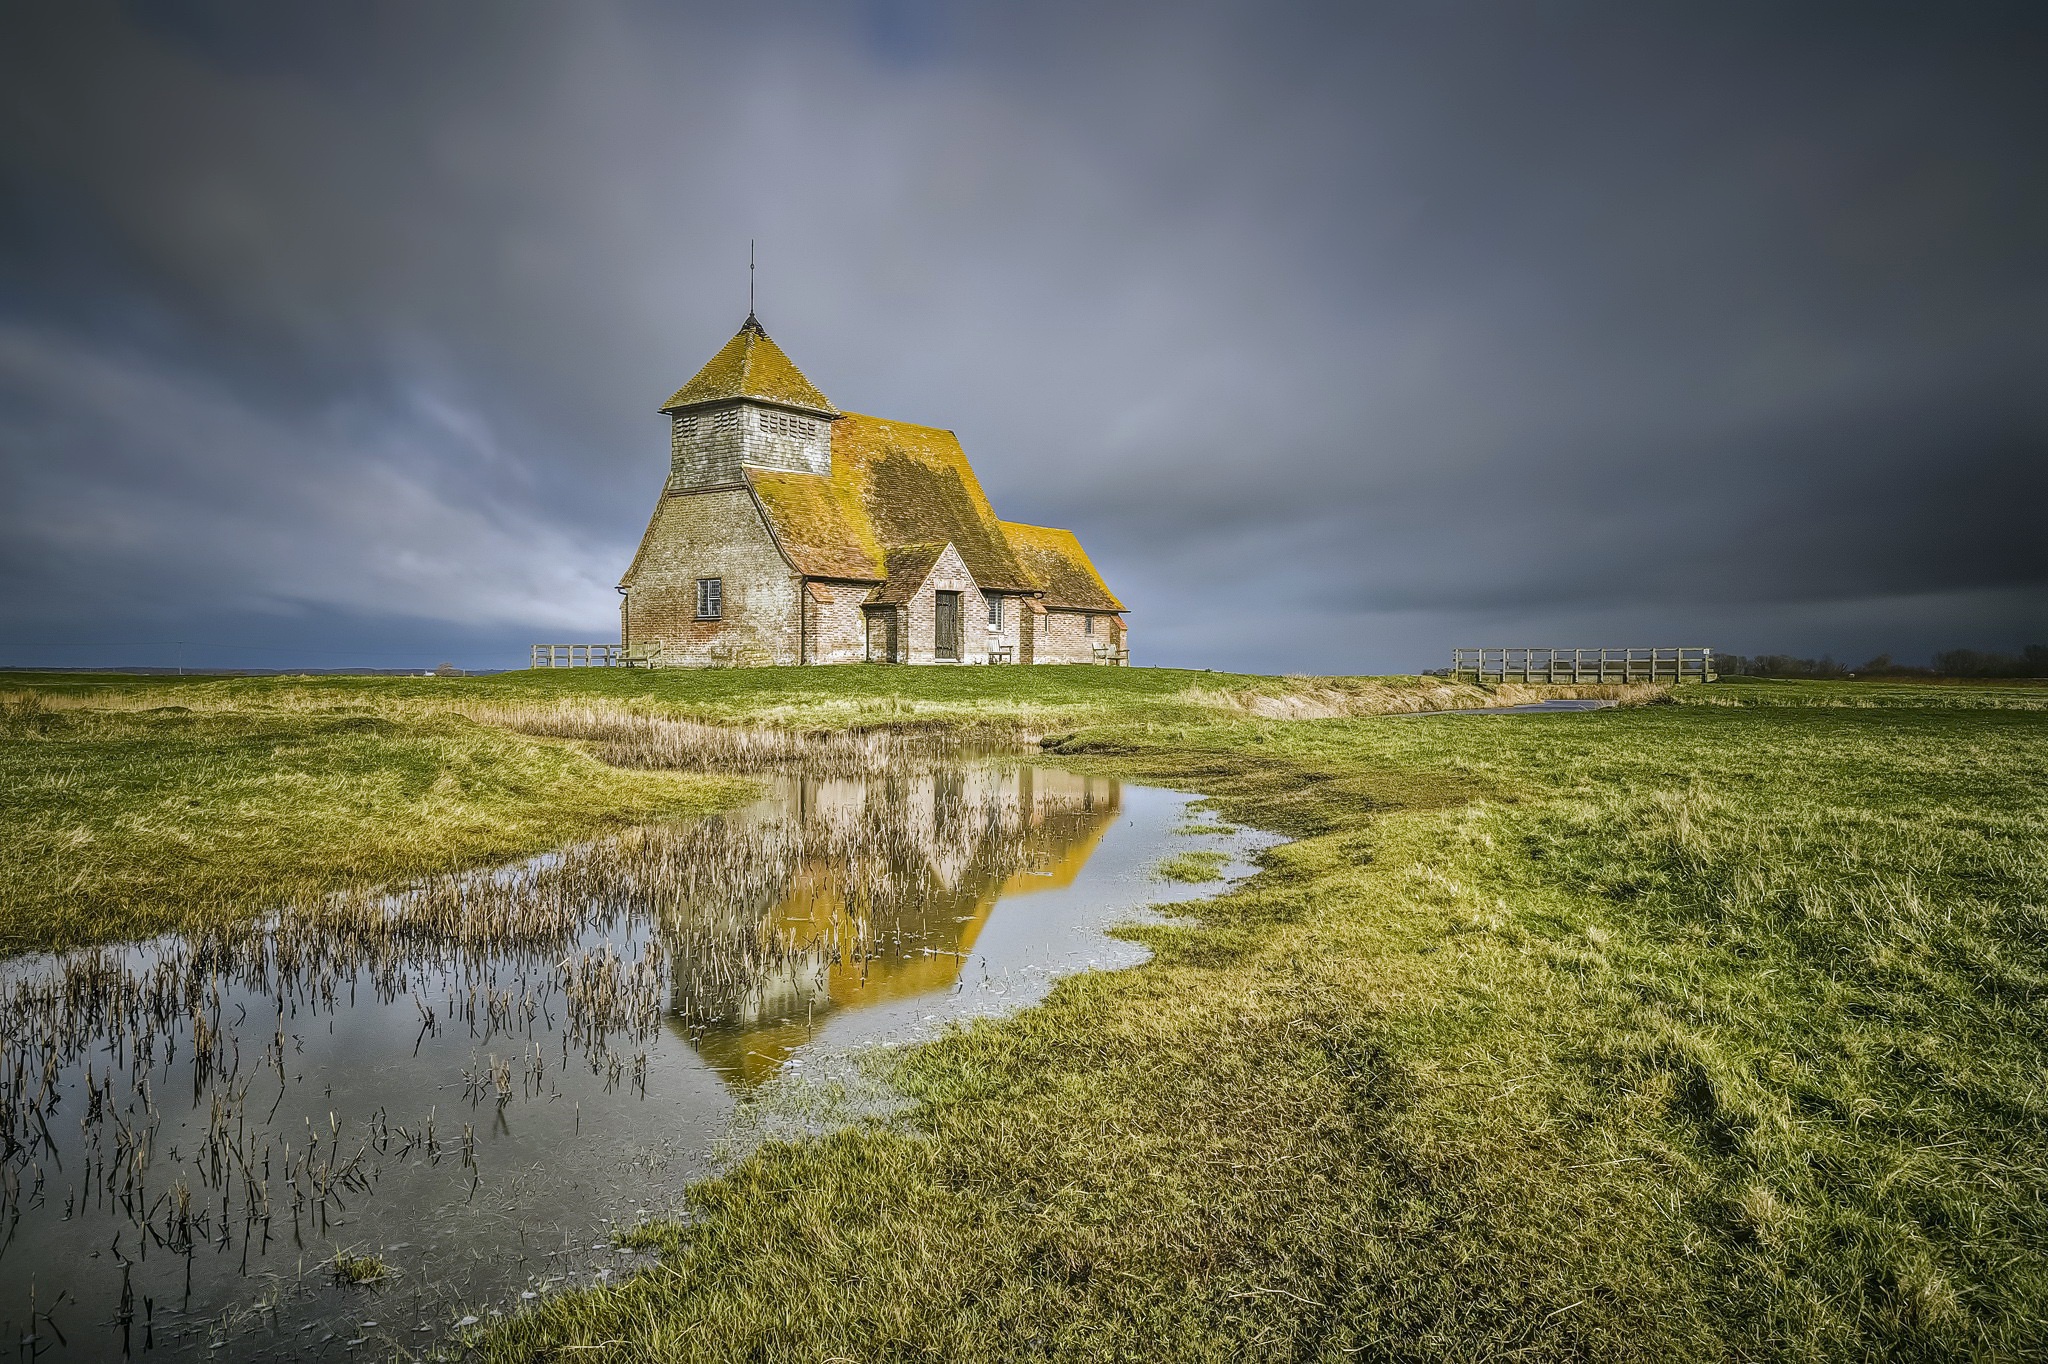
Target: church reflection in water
911,869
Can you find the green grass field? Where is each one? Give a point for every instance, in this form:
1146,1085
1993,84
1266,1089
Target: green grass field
129,819
1711,1030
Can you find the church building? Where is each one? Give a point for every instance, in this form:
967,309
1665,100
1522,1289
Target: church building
792,532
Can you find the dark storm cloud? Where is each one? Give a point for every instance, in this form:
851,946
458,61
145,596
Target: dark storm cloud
1341,335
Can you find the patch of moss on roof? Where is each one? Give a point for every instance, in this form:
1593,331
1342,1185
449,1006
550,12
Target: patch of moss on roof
820,524
917,489
909,566
1057,559
751,365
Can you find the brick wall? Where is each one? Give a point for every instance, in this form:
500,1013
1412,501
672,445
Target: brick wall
708,446
1009,635
834,623
713,535
1062,637
768,615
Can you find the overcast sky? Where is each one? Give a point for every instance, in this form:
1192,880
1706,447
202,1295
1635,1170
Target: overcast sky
334,334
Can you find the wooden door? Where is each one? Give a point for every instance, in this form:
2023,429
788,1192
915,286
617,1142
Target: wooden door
946,625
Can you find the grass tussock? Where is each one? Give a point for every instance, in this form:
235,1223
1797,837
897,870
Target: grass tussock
1193,868
626,738
350,1268
1339,697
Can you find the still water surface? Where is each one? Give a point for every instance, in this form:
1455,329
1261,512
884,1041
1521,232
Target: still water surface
478,1079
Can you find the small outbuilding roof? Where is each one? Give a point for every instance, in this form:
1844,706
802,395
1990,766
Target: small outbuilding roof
751,365
909,566
1056,559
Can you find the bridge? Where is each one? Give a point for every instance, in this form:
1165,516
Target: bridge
1583,665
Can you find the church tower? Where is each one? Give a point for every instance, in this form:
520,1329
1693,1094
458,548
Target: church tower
750,406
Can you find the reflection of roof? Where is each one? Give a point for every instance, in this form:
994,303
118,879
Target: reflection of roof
751,366
893,485
947,920
1060,872
1057,560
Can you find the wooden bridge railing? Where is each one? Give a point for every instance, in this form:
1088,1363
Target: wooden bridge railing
1583,665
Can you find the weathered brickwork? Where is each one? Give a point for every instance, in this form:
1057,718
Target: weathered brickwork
835,628
1063,637
719,535
708,445
920,614
1003,642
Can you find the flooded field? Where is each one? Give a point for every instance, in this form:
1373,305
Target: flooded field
370,1121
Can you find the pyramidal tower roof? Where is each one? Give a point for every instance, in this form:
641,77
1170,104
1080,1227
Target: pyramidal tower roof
751,366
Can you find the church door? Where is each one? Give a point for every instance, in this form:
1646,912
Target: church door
946,626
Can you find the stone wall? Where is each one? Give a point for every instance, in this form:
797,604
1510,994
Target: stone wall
707,446
713,535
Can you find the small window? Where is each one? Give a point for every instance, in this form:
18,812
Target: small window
710,598
685,427
728,420
1087,625
995,612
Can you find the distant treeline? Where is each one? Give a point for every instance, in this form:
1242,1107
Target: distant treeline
2031,661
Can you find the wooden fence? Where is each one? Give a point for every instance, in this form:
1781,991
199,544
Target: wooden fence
594,655
1583,665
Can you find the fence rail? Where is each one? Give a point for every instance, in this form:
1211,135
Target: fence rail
1583,665
587,656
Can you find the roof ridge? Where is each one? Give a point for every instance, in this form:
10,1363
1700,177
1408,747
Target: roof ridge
896,421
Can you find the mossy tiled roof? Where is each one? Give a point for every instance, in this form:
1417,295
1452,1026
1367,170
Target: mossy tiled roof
897,495
821,524
751,366
893,485
919,489
909,566
1056,559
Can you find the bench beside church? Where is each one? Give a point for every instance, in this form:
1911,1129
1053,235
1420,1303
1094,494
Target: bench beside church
792,532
